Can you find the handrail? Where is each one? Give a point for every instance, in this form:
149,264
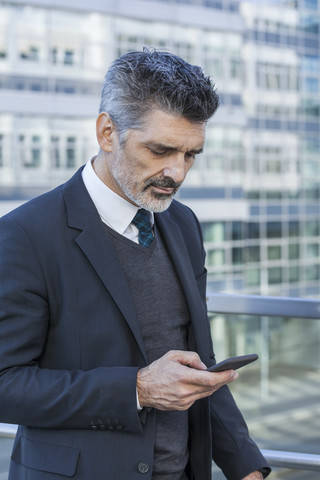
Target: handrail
261,305
300,461
7,430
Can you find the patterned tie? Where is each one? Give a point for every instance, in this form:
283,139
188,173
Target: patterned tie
143,224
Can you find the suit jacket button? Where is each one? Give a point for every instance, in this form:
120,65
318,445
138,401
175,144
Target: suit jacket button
143,467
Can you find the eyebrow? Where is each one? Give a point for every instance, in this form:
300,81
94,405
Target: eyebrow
168,148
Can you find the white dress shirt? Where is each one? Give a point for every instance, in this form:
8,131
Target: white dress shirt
114,211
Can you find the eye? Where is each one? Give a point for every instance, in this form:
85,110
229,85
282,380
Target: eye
190,156
158,152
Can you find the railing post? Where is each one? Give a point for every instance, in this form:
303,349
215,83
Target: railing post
264,364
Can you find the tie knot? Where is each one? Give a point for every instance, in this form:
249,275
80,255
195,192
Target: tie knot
142,221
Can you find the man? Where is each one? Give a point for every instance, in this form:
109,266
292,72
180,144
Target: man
103,325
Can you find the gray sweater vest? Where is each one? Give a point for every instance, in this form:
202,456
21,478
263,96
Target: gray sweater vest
163,319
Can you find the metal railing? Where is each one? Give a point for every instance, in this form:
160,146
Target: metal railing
7,431
271,307
263,306
300,461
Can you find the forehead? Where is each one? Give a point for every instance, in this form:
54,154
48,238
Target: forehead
172,131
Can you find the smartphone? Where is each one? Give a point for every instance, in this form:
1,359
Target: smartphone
233,363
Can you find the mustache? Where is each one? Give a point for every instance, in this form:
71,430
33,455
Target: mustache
164,182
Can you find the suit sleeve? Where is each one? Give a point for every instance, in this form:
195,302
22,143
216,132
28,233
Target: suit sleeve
233,450
42,397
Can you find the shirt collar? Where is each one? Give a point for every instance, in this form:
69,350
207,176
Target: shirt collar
114,210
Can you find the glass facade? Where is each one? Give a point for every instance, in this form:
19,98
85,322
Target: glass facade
255,189
270,250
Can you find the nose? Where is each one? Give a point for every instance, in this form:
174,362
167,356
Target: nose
176,168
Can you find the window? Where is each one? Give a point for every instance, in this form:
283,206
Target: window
235,68
237,231
253,254
312,272
214,232
312,192
312,85
294,251
273,166
274,230
214,67
30,151
55,152
274,275
293,229
274,252
68,57
274,76
237,256
293,274
253,229
311,63
61,55
253,277
310,168
312,4
30,54
273,194
36,87
71,152
310,144
216,257
310,23
35,151
310,107
54,55
313,228
312,250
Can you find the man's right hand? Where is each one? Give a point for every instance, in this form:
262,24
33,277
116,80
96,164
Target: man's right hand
176,380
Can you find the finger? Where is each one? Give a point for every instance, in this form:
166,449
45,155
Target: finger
190,359
197,363
211,379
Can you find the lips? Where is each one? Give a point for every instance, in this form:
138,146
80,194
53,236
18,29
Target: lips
163,185
169,191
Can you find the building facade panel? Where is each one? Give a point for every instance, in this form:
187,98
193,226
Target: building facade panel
256,187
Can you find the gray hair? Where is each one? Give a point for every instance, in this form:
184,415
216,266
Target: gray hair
138,82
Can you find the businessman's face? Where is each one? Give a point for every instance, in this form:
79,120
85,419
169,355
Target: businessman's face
154,161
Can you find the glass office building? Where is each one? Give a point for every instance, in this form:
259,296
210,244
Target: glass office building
255,189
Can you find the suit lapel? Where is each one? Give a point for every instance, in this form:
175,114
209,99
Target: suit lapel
180,258
94,243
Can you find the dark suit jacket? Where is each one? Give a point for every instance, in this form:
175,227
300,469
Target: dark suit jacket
71,347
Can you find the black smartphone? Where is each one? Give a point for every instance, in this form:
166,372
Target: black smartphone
233,363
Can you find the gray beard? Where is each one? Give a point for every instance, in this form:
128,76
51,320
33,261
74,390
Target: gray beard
156,202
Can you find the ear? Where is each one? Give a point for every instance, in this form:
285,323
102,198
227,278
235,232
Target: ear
105,131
